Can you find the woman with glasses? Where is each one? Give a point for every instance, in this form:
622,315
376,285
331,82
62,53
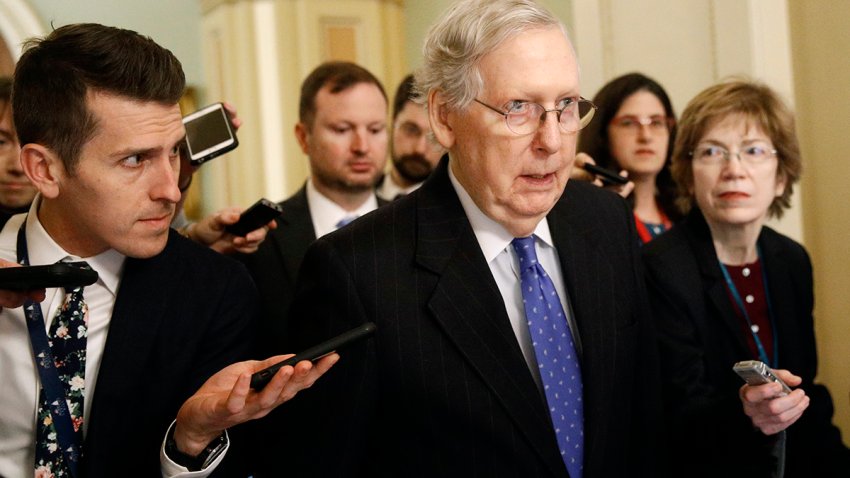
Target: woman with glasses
634,131
726,288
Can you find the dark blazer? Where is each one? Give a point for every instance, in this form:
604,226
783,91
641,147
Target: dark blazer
443,388
179,317
700,338
274,267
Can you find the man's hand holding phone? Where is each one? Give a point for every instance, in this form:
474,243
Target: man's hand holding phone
211,231
226,399
16,298
770,410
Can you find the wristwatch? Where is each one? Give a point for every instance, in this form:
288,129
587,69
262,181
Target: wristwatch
195,463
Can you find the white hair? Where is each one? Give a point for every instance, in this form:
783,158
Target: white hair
469,30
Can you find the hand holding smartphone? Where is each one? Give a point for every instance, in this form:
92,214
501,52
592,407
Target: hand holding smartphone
255,217
261,378
607,176
757,373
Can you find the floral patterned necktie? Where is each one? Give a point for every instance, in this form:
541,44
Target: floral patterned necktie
67,339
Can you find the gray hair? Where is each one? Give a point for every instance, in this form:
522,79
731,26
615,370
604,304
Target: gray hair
469,30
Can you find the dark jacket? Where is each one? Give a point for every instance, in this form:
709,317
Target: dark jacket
700,338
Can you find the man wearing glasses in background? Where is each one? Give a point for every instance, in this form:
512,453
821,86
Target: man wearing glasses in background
483,364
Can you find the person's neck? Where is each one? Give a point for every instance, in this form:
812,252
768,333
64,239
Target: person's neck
646,207
63,232
348,200
735,244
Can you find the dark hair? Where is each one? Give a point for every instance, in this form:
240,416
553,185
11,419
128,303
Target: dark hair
594,140
56,73
759,105
403,94
340,75
5,95
5,89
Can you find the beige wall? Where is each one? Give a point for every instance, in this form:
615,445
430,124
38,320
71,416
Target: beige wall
820,43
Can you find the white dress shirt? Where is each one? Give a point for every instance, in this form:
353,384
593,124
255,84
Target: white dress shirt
19,380
326,214
389,189
495,243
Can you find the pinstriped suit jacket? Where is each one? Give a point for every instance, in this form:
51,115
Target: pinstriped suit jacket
443,389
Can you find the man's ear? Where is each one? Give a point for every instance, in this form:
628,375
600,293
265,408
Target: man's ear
302,134
438,115
43,168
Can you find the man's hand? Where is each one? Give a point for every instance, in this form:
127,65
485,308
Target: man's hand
210,232
16,298
226,399
770,412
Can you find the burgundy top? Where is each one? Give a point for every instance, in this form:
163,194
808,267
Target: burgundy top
748,281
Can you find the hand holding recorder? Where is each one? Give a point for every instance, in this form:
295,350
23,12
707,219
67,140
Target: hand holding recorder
767,397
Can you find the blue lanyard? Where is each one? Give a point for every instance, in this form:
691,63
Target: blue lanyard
740,303
53,388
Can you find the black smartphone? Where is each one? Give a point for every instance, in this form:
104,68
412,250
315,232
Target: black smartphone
261,378
209,133
61,274
255,217
755,372
607,176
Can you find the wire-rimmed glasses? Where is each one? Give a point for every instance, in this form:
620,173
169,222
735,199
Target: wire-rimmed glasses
525,117
714,155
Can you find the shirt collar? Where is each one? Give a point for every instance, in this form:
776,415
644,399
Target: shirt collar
44,250
492,237
389,189
326,213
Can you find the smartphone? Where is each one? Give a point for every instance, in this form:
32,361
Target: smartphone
755,372
61,274
607,176
261,378
209,133
255,217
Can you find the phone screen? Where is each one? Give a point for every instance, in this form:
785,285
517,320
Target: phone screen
208,133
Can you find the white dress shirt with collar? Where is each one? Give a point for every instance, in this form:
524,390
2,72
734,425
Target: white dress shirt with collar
495,243
19,380
326,213
389,189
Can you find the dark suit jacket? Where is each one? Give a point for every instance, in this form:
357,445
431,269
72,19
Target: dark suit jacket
443,388
274,268
700,339
179,317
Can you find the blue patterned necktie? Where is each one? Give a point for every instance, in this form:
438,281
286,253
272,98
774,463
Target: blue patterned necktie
556,355
67,339
345,221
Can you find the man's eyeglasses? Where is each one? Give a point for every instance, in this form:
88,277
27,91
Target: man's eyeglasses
525,117
656,123
712,155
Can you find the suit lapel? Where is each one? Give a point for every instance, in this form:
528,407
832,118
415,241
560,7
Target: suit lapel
715,286
469,308
295,234
584,270
782,294
136,317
